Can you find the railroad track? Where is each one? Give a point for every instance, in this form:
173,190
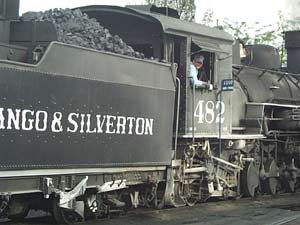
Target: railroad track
267,210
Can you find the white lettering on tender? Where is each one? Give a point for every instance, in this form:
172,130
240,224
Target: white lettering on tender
38,116
88,125
140,126
149,127
28,120
131,120
2,119
82,123
121,124
100,123
110,124
56,122
73,122
13,118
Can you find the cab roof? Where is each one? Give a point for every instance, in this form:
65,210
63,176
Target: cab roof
169,25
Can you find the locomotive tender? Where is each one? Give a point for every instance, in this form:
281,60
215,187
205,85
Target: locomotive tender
86,132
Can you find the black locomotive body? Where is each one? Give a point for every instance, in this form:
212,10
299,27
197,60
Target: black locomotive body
269,105
85,132
39,103
76,113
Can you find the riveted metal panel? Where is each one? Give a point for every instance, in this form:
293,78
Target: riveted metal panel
24,87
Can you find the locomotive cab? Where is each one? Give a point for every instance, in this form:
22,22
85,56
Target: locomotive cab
172,40
204,109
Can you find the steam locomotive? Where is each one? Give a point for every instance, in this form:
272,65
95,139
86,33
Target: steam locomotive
85,133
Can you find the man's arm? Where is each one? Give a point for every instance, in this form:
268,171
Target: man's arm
194,78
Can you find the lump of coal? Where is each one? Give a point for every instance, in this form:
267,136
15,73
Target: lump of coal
75,27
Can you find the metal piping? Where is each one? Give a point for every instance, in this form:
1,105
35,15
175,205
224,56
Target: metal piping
226,163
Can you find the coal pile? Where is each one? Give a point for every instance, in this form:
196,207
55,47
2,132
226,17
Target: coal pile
76,28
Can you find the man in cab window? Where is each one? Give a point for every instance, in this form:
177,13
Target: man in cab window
197,73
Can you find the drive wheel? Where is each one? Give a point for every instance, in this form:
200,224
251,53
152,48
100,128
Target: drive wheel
271,183
250,179
178,198
289,183
191,193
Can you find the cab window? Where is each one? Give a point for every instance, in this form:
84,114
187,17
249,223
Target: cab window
206,72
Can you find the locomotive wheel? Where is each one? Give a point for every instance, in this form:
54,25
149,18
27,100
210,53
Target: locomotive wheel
18,209
64,216
290,184
249,179
157,201
191,201
178,196
289,179
271,183
160,196
191,193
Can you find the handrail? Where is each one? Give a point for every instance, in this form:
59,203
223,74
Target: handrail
193,108
274,72
177,115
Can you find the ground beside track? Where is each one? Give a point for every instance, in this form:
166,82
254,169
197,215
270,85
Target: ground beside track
264,211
